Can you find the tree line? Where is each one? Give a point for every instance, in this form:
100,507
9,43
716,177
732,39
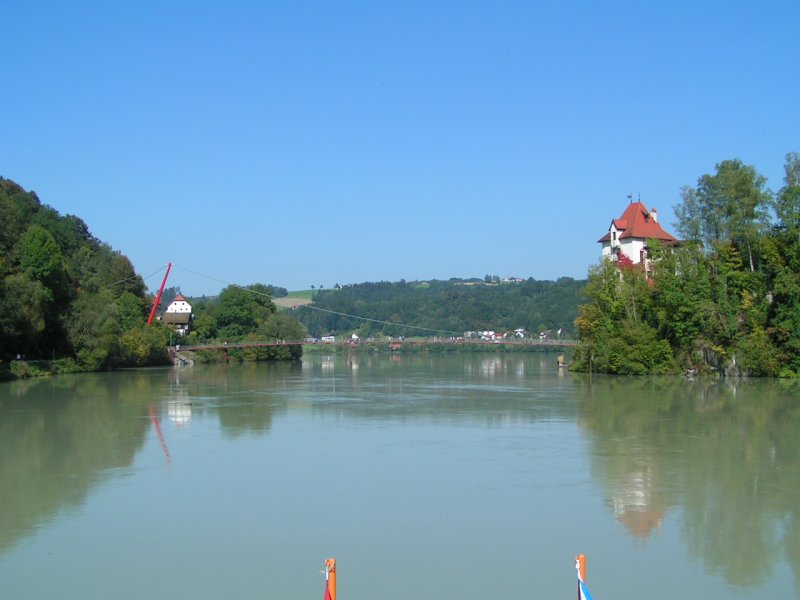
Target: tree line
245,314
443,307
726,300
71,300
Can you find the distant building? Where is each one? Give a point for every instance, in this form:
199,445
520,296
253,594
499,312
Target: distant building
179,315
179,305
628,235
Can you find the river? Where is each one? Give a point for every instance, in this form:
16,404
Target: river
426,476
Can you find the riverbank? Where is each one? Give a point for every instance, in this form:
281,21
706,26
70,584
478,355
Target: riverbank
24,369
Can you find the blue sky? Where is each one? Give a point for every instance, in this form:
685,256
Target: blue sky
315,143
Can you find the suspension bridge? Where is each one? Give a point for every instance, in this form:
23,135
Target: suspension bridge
434,336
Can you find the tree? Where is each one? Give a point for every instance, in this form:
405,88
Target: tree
93,330
730,205
39,255
24,304
241,310
787,201
782,258
280,326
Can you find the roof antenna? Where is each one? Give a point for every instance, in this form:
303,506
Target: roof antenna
630,198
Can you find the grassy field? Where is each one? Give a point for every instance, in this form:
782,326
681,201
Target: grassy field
295,299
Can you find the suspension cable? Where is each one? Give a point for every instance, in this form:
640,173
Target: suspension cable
312,307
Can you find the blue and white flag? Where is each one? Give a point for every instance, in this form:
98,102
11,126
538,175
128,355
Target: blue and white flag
580,567
583,591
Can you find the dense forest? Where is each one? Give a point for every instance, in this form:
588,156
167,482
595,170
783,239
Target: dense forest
70,300
65,296
444,308
727,300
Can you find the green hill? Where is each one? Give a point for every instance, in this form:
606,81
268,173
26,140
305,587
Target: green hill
444,307
65,294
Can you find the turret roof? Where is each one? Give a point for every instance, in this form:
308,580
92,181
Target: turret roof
638,222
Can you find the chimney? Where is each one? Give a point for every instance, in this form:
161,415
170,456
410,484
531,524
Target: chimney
654,214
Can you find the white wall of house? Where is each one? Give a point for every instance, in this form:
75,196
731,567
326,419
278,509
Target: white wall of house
630,247
179,306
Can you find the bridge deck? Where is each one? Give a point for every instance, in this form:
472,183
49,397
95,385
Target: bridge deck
393,344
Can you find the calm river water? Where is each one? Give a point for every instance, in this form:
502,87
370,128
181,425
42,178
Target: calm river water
427,477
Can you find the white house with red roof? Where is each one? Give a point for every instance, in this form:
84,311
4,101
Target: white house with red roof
628,235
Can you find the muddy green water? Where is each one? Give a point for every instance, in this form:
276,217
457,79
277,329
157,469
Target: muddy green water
444,477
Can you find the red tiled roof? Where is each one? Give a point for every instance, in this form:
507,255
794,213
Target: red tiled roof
179,298
638,222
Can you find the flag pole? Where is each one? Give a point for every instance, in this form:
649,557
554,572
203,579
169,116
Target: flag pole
330,579
580,566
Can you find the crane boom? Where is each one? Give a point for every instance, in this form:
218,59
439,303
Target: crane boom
158,296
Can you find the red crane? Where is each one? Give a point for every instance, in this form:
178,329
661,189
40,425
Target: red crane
158,296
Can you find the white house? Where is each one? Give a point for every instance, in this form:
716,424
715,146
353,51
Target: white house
179,305
628,235
179,315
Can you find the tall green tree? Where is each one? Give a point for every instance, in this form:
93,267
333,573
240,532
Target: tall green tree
616,333
40,255
242,309
729,206
782,258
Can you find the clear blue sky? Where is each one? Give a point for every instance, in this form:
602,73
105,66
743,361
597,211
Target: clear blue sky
300,143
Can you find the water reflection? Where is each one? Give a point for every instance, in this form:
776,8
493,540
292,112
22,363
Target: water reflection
59,438
721,460
243,399
725,455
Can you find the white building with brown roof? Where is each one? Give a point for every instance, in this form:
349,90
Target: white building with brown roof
179,315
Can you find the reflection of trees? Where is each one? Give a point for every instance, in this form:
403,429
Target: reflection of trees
242,397
728,454
59,438
493,388
246,417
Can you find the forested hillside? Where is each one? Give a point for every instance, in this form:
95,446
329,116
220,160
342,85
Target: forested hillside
727,300
65,295
452,307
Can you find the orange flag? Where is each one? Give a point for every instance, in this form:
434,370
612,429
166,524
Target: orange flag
330,579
